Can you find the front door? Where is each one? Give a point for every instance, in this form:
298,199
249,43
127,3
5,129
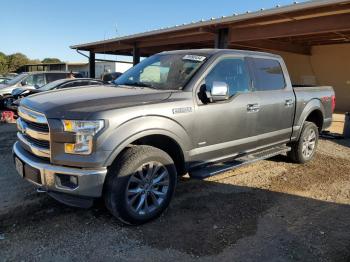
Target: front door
225,128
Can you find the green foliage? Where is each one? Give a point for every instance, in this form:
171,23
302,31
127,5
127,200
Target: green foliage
11,63
3,63
50,60
16,60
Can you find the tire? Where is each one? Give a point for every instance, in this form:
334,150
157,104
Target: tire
140,184
304,149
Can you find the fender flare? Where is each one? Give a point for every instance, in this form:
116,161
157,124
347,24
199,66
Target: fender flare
311,106
173,131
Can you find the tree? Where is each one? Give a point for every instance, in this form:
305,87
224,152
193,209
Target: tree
16,60
11,63
50,60
3,63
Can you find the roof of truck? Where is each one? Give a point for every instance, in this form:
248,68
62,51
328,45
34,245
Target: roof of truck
213,51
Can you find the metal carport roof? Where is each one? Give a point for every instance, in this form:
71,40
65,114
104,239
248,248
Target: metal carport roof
293,28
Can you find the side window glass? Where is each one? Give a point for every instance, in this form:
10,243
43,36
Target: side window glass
30,80
81,83
231,71
268,74
67,85
54,76
39,80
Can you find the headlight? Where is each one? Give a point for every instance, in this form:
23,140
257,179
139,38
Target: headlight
84,134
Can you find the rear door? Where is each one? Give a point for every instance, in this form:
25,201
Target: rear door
276,98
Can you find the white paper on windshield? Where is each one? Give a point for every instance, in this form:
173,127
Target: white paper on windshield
196,58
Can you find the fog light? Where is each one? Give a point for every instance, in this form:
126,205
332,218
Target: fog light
73,180
67,181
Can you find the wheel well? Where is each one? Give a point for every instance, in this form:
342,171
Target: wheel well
168,145
316,117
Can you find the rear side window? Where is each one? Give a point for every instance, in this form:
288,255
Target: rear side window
67,85
95,83
83,83
74,84
55,76
268,74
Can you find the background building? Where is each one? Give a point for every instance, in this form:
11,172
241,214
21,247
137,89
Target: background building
313,37
101,67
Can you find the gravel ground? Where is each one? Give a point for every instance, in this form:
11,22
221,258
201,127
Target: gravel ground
272,210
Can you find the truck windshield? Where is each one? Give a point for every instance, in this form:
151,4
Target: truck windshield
162,71
17,79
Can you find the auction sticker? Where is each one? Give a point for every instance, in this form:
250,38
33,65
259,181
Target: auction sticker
196,58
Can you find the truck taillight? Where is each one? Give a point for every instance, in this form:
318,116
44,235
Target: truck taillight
333,103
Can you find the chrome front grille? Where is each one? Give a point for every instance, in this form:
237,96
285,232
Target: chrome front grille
33,132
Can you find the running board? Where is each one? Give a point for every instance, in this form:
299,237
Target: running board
218,168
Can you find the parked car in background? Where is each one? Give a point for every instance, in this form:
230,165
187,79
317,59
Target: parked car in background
174,113
30,80
110,77
12,102
4,80
11,75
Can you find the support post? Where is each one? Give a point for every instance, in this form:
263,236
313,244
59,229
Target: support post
92,65
346,131
136,55
221,39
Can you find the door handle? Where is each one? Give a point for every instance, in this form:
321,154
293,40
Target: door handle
253,107
289,102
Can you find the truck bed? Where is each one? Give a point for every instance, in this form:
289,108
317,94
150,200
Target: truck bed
318,96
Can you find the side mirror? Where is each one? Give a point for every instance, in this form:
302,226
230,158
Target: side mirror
23,82
219,91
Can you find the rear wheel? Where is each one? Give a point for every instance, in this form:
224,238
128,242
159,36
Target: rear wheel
304,149
140,184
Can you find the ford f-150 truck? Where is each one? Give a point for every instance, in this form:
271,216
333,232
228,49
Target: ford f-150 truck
199,112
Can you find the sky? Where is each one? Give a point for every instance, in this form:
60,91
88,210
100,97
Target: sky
41,29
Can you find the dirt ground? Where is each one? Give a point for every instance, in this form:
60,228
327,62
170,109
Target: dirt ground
272,210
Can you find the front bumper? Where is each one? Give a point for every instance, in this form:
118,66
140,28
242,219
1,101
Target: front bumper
89,181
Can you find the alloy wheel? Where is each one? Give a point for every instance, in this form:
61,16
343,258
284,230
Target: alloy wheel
309,143
147,188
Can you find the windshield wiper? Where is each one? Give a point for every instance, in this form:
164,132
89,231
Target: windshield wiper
138,84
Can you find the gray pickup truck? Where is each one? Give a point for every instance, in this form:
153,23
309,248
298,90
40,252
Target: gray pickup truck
199,112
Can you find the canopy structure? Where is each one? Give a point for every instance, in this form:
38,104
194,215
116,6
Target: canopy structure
294,28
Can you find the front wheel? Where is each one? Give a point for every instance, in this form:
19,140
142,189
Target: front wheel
140,184
304,149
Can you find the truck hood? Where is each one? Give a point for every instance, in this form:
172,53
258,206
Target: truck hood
83,102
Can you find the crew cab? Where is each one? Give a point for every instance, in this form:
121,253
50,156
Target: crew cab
174,113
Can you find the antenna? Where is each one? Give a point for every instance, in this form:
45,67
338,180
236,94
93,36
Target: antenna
117,34
116,30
